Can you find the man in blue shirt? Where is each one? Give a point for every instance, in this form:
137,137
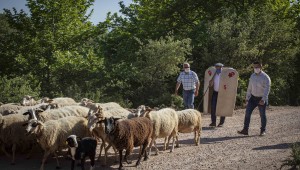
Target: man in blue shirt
190,84
257,96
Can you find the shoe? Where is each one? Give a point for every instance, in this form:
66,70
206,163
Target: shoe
262,133
243,132
212,125
220,124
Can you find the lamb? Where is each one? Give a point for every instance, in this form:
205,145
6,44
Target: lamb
12,134
55,114
165,124
189,120
127,134
80,148
52,134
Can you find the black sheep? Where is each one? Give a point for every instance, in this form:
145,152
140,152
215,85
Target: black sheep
81,148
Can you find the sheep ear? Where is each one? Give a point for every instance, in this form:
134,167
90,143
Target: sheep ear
116,119
26,113
101,121
25,124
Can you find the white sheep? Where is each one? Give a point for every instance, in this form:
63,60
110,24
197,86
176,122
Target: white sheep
12,134
189,120
52,134
60,101
28,101
55,114
9,108
105,106
127,134
165,124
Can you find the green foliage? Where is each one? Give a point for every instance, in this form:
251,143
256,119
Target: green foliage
294,160
14,89
133,59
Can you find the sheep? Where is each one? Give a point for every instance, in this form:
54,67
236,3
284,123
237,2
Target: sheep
105,106
165,124
28,101
60,101
129,133
54,114
12,134
52,134
98,130
9,108
189,120
80,148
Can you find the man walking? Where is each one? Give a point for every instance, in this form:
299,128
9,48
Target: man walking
215,82
257,95
190,84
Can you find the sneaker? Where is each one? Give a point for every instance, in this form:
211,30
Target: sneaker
243,132
220,124
212,125
262,133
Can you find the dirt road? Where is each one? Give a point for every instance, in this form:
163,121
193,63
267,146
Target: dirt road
220,148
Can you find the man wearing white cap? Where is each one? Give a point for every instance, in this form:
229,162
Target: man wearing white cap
190,84
215,82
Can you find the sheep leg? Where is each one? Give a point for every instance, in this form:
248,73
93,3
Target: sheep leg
172,143
13,149
142,153
127,153
120,156
101,147
57,162
197,136
165,143
82,162
177,142
30,152
116,154
46,154
92,158
4,151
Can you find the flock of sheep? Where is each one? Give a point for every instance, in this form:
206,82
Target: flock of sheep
49,122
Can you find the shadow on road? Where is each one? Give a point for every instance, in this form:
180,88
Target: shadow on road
220,139
278,146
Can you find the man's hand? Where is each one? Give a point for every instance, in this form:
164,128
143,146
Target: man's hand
211,83
176,92
196,93
261,102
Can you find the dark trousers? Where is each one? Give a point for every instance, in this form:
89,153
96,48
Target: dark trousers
214,100
252,104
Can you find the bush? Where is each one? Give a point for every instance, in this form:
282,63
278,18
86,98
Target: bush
294,160
14,89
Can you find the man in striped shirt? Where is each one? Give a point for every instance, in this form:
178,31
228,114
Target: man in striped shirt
190,84
257,95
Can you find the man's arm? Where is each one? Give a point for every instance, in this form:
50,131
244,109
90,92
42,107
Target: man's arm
197,88
267,89
177,87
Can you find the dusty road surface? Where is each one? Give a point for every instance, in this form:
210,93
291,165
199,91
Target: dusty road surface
220,148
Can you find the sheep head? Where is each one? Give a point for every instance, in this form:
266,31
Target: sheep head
32,126
110,124
143,110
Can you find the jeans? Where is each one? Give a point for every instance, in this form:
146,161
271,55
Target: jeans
252,104
214,100
188,98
